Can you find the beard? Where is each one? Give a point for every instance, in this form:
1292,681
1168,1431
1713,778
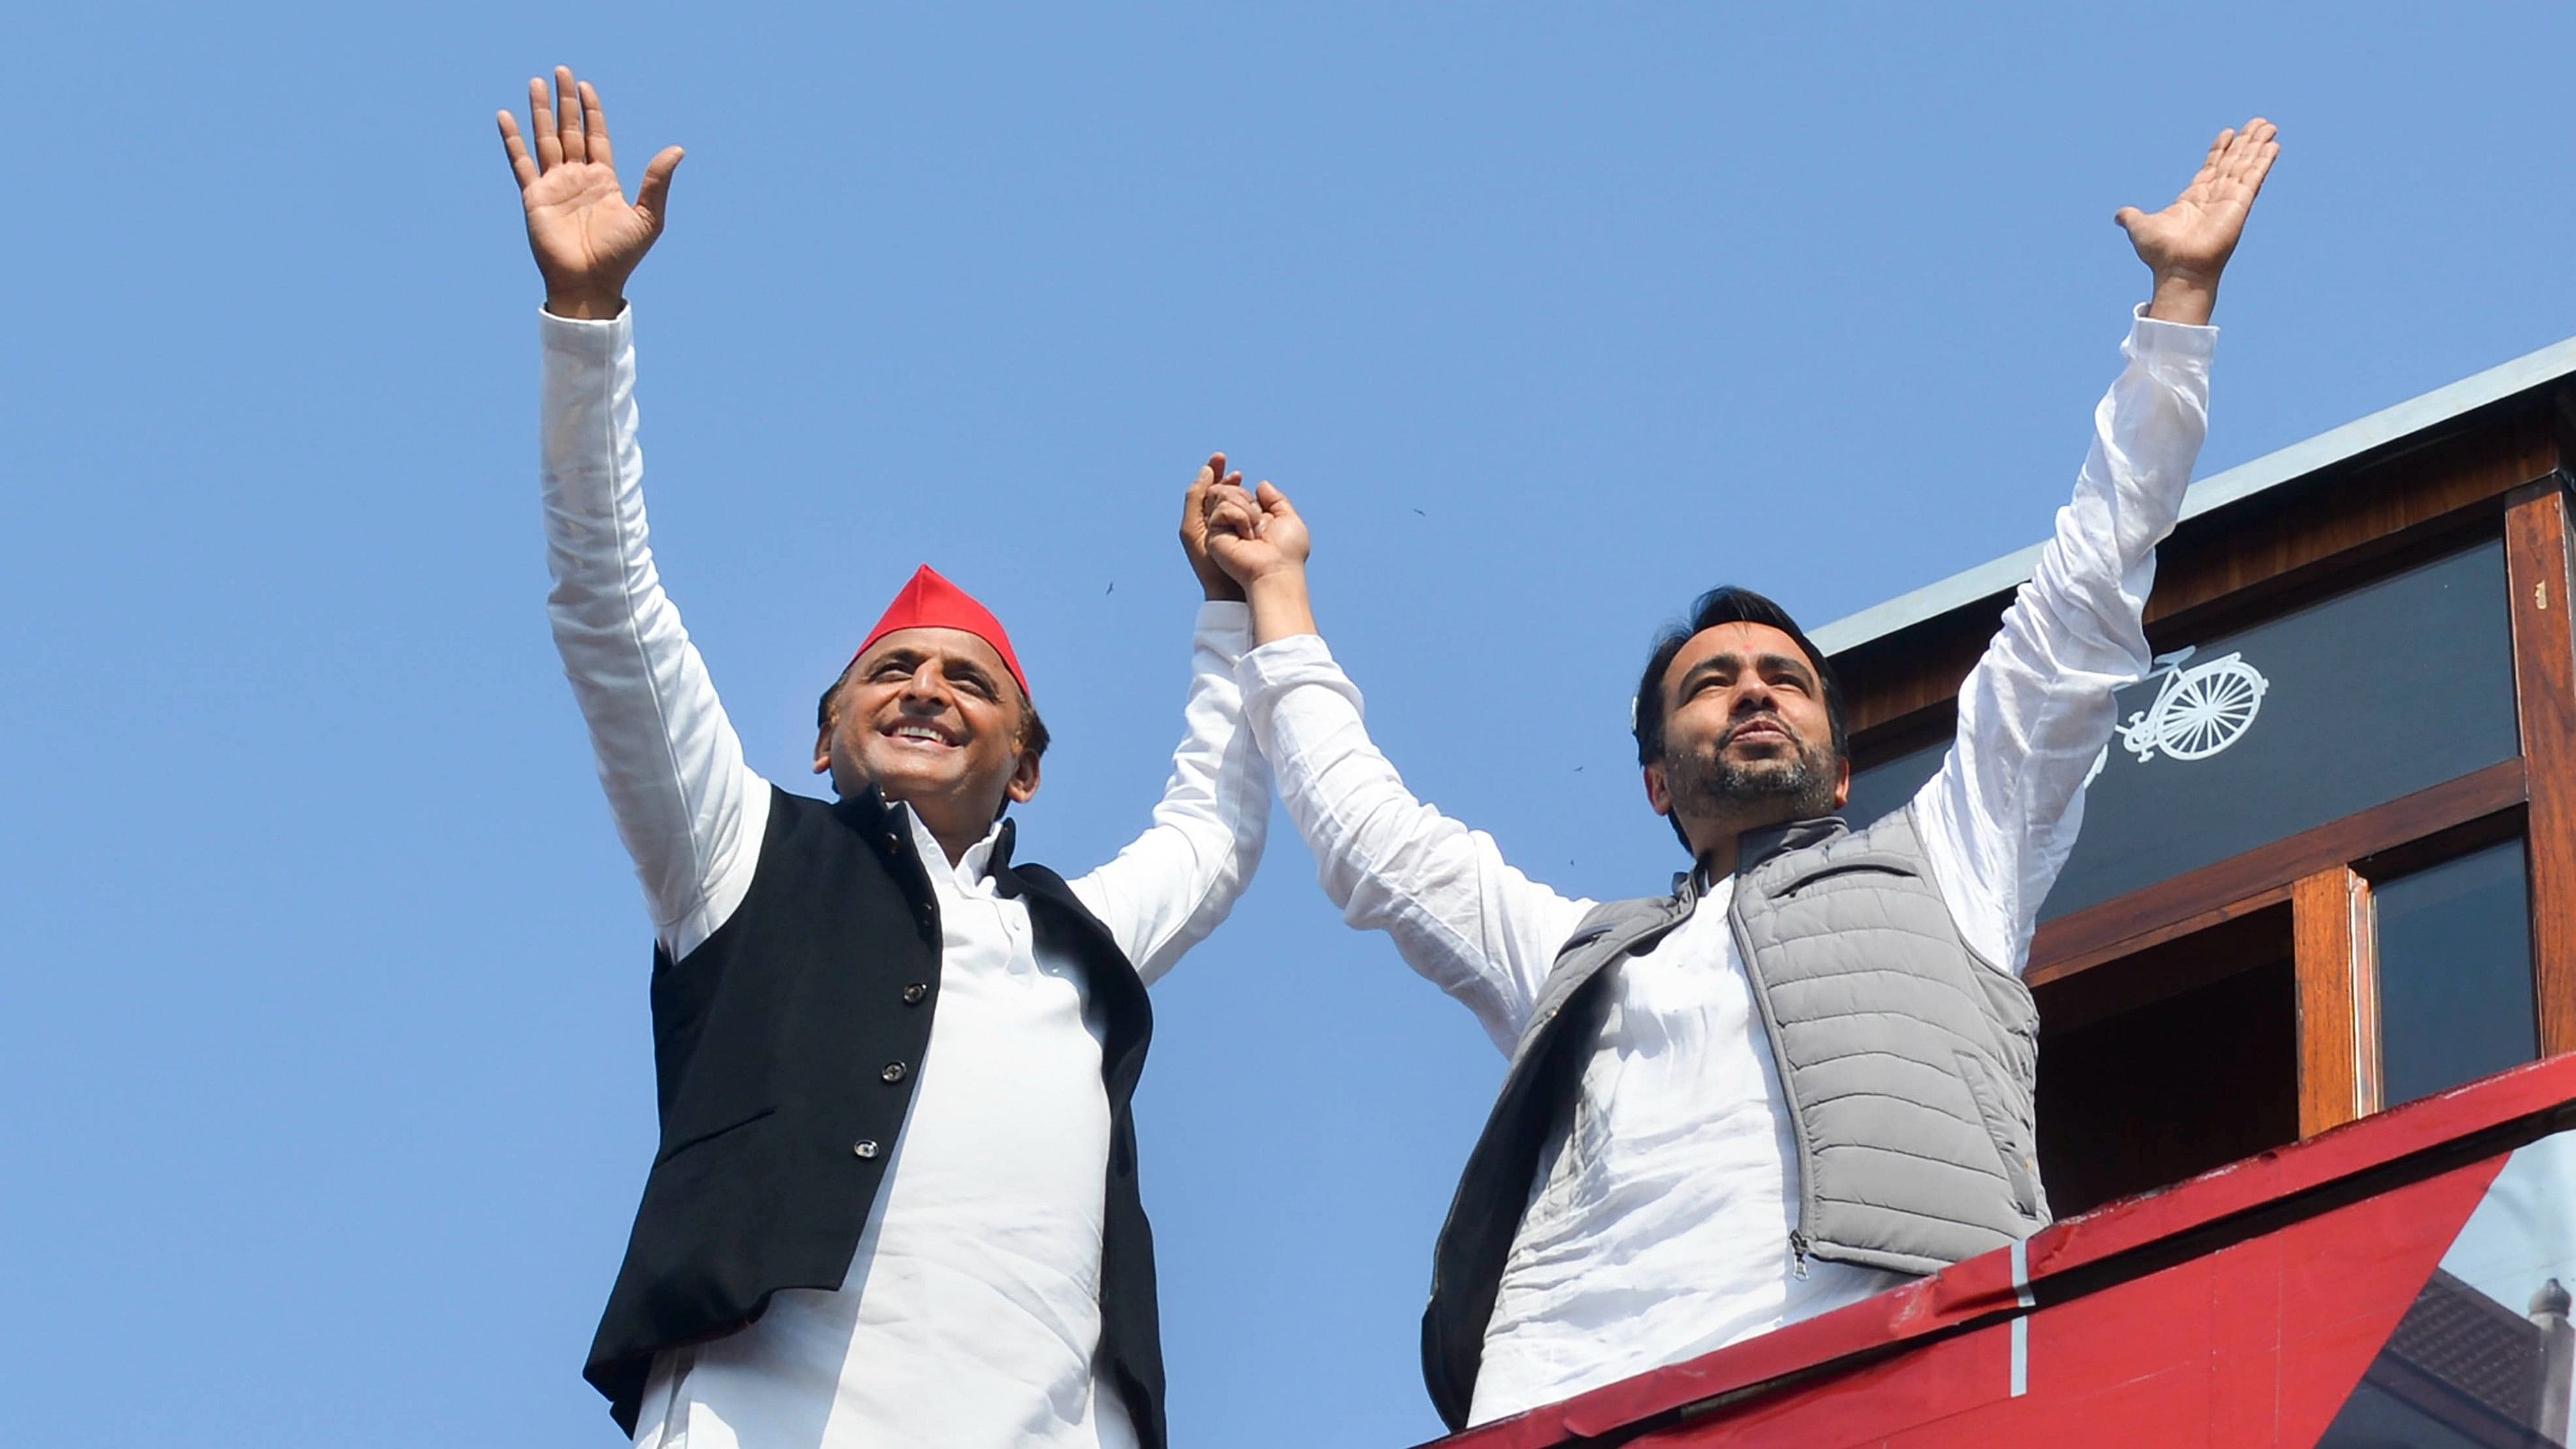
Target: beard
1800,787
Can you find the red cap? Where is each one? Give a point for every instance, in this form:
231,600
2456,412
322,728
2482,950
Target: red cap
931,602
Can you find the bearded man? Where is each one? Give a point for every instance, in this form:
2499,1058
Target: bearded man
895,1200
1806,1074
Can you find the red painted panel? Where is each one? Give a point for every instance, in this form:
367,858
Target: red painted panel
2247,1311
2181,1357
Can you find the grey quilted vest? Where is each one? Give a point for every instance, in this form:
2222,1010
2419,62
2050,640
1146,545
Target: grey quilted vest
1908,1064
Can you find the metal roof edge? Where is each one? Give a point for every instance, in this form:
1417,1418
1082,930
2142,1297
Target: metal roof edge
2219,490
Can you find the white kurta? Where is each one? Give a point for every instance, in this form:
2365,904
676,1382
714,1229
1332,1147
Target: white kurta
1658,1227
971,1313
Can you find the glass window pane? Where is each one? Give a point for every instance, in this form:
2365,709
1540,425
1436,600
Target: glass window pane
2456,1000
2282,727
1884,787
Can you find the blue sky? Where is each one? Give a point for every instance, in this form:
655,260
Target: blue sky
326,1048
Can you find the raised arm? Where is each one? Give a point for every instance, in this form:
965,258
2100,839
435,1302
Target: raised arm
689,810
1173,884
2037,709
1459,914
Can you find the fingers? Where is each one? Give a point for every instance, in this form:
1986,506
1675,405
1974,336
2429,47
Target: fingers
2226,159
1229,497
654,195
2260,167
1211,476
569,125
2210,164
1227,507
1194,497
2257,146
1216,503
1232,515
2234,177
594,124
522,165
2127,219
541,123
2245,146
1275,508
568,117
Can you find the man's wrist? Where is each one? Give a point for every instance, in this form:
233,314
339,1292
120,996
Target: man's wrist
586,306
1280,606
2187,298
1285,581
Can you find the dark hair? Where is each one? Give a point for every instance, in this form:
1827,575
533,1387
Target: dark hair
1725,604
1033,731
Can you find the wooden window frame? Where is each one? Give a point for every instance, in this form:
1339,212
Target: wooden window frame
2502,471
2326,874
2536,550
2268,874
2338,976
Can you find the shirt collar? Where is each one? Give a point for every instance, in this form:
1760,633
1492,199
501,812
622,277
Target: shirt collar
1757,846
984,856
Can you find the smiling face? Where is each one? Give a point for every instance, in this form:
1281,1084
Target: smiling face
1747,738
932,717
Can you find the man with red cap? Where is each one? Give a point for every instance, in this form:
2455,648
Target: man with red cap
895,1200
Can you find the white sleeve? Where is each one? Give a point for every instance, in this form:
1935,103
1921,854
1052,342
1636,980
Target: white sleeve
689,809
2002,813
1467,921
1168,889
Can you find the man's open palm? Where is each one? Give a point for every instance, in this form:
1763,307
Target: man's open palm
587,238
2195,236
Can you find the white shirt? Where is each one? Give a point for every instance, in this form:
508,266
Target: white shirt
971,1313
1658,1227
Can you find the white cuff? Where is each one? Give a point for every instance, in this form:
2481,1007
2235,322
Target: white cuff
581,340
2153,336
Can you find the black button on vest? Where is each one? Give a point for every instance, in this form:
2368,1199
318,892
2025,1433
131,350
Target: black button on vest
785,1050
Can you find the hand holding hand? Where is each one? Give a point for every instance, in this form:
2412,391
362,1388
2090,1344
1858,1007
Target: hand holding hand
1259,540
586,238
1214,581
2188,243
1255,536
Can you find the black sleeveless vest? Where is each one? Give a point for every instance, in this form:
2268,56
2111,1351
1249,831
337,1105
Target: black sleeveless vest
785,1051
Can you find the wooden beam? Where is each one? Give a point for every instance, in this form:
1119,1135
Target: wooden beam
2194,954
2066,962
2112,929
2237,553
2536,547
2338,1006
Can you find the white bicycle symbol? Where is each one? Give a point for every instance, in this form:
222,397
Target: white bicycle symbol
2198,712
